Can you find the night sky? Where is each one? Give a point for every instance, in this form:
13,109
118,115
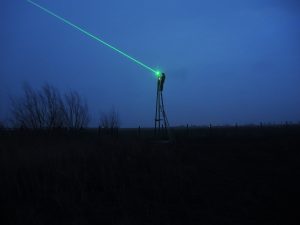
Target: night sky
226,62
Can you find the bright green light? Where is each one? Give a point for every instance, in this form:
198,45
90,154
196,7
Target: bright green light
158,73
96,38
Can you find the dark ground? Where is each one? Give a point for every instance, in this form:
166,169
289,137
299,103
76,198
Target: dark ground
244,175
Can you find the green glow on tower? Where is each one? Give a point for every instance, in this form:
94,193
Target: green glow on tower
96,38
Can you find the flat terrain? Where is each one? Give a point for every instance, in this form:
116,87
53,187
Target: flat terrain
229,175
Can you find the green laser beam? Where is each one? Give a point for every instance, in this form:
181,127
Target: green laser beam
157,73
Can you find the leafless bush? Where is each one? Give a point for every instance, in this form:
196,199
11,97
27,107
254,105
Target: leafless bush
53,107
46,109
110,122
76,113
29,110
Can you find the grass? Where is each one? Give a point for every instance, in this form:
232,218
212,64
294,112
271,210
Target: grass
226,175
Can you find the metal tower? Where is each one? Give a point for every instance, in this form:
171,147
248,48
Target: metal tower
161,120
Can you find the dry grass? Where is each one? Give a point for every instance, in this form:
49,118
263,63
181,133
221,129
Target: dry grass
203,178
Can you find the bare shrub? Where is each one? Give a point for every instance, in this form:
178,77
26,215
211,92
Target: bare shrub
46,109
28,110
52,107
110,122
76,113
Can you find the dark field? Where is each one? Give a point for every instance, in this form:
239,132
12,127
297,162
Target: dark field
244,175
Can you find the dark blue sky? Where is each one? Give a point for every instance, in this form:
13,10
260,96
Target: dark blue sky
234,61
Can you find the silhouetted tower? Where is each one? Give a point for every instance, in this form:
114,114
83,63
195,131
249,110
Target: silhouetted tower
161,120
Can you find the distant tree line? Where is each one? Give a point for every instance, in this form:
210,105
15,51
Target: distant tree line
46,108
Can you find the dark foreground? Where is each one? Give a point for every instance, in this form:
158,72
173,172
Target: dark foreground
209,176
